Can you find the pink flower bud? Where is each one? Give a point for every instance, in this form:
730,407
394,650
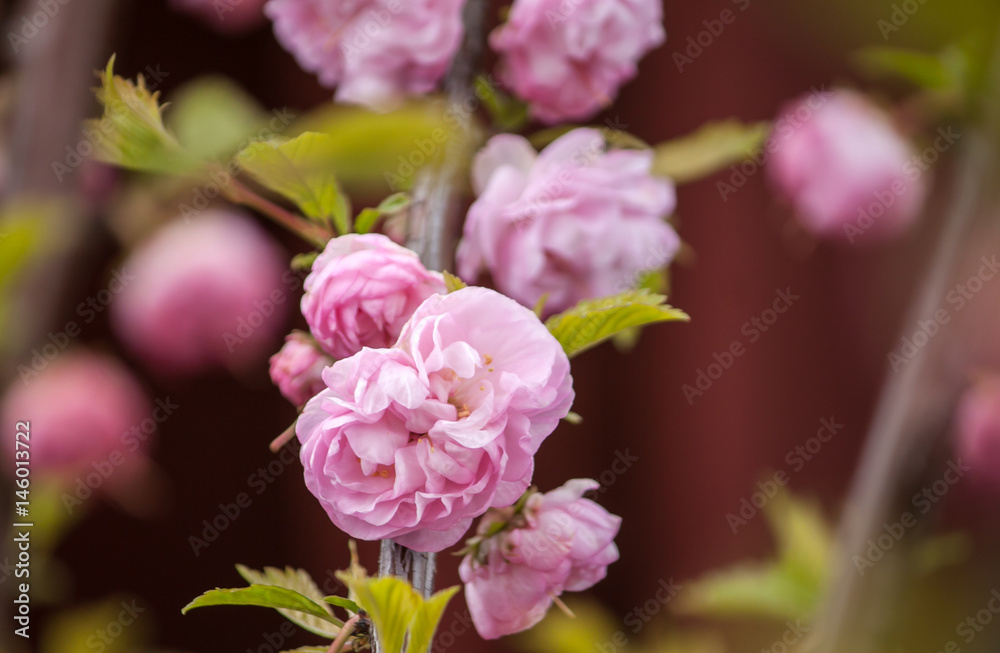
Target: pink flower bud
561,542
297,369
202,293
374,51
228,16
361,291
847,172
978,430
568,59
413,442
80,409
576,221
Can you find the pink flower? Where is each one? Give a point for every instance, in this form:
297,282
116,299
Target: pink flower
568,59
374,51
413,442
203,293
79,408
362,290
561,542
978,430
576,221
297,369
845,169
230,16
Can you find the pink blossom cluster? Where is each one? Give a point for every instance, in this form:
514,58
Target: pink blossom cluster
560,542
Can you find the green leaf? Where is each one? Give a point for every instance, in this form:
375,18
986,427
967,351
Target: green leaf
713,147
266,596
933,71
341,602
389,206
426,620
212,117
132,134
297,580
304,262
390,603
453,283
310,649
295,169
593,321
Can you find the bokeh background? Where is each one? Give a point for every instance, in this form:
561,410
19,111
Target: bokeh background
693,462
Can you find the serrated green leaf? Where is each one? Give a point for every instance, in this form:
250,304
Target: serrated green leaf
389,206
265,596
297,580
296,170
593,321
426,620
390,603
453,283
713,147
212,117
341,602
932,71
131,132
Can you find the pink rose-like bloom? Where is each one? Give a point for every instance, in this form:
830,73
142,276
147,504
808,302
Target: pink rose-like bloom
231,16
203,293
838,159
374,51
297,369
978,430
79,408
361,291
576,221
565,544
568,59
413,442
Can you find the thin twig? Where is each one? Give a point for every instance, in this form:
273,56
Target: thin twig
310,231
345,632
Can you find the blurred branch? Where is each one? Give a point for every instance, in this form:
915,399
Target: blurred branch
914,412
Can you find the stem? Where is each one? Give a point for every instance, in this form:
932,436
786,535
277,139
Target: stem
344,634
310,231
914,410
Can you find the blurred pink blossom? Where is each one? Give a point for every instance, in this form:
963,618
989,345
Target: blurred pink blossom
230,16
575,222
205,293
568,59
565,543
978,430
373,51
413,442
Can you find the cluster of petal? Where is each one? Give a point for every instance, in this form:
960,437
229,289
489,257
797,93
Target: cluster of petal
79,408
574,222
414,441
297,369
978,430
374,51
565,544
230,16
845,169
201,294
568,59
362,290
